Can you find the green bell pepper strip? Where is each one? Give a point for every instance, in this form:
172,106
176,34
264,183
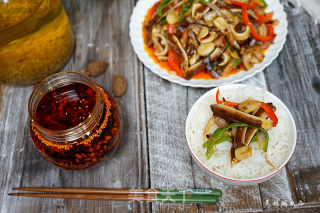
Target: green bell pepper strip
185,11
263,4
160,7
184,15
186,7
221,140
266,143
163,22
237,61
229,46
220,132
214,137
217,135
254,138
186,199
204,1
212,192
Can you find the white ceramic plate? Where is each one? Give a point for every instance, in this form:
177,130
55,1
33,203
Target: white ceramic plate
201,112
272,52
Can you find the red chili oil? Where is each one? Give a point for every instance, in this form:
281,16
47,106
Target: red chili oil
66,107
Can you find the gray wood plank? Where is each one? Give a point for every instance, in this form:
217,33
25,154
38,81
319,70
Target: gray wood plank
291,78
104,36
298,209
276,193
169,159
101,33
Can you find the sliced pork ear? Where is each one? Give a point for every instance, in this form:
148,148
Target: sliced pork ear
173,46
250,131
232,153
233,157
238,141
221,123
240,136
179,46
148,30
249,105
195,68
233,114
227,69
160,44
192,39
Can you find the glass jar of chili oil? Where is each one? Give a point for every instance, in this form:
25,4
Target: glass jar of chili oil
74,123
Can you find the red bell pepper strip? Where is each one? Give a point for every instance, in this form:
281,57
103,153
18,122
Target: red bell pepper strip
270,113
261,18
252,5
227,103
253,33
245,16
264,18
261,3
258,37
170,28
178,8
174,63
184,34
240,4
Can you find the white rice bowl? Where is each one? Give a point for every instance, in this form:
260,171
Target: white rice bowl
255,169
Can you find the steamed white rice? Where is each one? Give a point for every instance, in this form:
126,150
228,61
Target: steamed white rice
280,143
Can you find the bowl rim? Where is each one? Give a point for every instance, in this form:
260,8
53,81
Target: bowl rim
291,119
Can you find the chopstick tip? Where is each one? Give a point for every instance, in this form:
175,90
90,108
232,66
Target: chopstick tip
15,194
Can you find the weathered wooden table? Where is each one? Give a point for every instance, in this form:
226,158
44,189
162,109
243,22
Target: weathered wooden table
153,152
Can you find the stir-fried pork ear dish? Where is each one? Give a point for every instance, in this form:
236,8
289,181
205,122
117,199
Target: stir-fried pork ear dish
218,37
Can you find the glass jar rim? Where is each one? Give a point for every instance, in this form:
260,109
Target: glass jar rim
48,84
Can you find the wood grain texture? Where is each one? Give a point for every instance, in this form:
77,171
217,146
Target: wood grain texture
169,159
153,151
298,209
291,78
101,33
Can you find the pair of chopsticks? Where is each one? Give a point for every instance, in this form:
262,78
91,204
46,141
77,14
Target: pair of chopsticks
144,195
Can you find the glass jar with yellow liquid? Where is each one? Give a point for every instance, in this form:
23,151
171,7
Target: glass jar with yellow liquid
36,40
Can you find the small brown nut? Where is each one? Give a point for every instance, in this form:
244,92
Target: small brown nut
96,68
119,85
